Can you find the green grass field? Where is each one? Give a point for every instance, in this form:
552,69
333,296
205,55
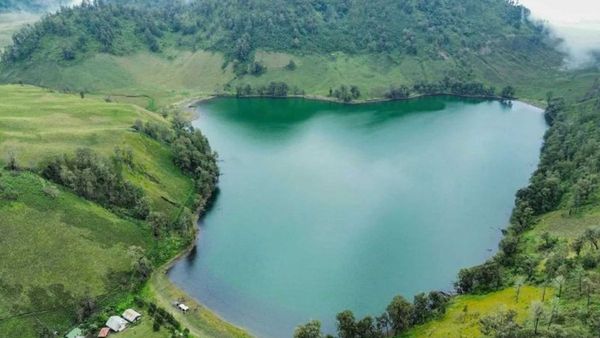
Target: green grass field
201,321
463,315
54,249
37,123
57,249
176,75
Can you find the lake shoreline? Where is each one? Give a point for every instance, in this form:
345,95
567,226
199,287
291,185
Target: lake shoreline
190,108
190,104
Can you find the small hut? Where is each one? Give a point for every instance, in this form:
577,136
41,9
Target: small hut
104,332
75,333
131,315
116,323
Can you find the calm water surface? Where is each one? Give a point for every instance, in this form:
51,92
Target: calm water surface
325,207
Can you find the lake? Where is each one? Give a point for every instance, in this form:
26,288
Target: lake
325,207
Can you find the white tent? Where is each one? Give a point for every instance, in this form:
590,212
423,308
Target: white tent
131,315
116,323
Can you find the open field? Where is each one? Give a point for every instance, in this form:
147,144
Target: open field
463,315
37,123
201,321
166,78
57,248
175,75
54,251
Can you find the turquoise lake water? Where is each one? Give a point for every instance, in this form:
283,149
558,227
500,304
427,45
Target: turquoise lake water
325,207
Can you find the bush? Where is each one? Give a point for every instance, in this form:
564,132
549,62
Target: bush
257,68
345,93
479,279
396,93
589,261
51,191
291,66
97,179
156,325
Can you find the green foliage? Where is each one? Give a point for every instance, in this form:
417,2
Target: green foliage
273,89
427,28
508,92
479,279
395,93
500,324
291,66
98,179
80,246
257,68
310,330
346,93
454,86
400,312
429,306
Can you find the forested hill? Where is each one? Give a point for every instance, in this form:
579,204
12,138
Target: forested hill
434,29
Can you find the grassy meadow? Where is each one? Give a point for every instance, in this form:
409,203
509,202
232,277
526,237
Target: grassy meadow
174,75
37,123
56,248
464,312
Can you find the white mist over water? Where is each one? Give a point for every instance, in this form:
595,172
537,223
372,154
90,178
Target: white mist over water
575,21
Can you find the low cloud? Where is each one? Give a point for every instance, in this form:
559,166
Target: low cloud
576,22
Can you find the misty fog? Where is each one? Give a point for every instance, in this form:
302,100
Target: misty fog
577,22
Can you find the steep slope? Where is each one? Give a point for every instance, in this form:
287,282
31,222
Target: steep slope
56,251
66,259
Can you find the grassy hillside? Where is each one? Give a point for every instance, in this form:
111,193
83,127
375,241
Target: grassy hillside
163,52
10,23
56,249
177,75
36,124
464,313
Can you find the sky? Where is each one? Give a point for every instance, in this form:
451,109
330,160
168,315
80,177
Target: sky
576,21
566,12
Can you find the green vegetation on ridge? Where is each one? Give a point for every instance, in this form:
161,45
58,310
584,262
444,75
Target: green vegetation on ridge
174,50
161,51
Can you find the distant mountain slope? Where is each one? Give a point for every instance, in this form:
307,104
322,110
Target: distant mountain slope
374,45
431,28
31,5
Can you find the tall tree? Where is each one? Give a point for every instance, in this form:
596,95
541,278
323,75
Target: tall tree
400,312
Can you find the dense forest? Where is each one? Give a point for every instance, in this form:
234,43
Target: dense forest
432,28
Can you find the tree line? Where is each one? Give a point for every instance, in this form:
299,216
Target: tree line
191,153
400,315
272,89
